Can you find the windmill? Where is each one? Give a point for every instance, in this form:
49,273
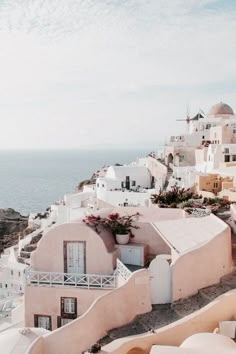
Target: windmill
198,116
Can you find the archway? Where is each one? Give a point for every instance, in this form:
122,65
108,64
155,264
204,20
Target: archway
170,159
160,279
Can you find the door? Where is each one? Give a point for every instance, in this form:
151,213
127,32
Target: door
160,280
74,257
127,182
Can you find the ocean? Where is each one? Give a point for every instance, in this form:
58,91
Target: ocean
32,180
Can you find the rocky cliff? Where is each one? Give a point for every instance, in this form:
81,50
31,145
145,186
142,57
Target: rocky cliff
12,225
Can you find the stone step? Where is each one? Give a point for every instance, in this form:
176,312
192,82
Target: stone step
186,306
229,279
212,292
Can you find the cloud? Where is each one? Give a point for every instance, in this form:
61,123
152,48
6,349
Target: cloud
112,61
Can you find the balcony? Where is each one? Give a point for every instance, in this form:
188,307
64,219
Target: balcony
87,281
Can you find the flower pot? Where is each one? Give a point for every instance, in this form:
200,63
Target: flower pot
122,239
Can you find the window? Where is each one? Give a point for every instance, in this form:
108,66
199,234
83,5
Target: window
226,150
63,321
5,285
133,183
234,158
97,184
215,185
11,272
103,185
0,285
227,158
18,274
43,321
203,137
68,307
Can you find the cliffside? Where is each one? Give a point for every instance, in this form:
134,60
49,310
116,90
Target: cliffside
12,225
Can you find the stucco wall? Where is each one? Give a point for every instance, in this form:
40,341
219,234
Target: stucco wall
148,235
112,310
202,267
117,198
51,304
36,347
49,256
204,320
228,194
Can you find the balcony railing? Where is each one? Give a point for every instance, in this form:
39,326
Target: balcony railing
69,279
88,281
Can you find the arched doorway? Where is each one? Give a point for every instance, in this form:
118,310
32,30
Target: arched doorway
160,279
170,159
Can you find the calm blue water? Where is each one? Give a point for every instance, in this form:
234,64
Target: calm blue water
32,180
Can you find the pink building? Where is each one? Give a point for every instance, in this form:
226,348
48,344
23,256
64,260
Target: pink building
73,265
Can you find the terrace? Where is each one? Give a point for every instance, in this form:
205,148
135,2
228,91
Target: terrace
88,281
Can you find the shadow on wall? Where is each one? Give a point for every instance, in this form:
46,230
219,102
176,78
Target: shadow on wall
137,351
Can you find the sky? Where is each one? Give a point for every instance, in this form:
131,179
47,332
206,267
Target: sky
78,73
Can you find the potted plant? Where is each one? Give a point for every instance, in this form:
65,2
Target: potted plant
120,226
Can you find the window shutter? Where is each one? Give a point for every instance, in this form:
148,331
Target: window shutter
58,321
62,305
75,307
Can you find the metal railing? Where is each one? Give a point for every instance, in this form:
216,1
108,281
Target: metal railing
87,281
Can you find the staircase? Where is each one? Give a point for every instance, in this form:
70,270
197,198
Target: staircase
162,315
25,253
168,176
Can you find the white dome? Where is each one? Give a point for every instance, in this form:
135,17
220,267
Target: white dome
18,340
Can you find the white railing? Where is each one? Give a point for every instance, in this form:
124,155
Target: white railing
122,270
77,280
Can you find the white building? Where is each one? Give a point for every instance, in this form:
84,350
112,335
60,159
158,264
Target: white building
12,274
125,186
209,144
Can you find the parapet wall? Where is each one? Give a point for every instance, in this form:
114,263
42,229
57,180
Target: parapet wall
204,320
111,310
202,267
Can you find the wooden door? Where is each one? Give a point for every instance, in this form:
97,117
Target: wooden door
74,257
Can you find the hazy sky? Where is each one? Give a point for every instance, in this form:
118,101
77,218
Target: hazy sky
81,72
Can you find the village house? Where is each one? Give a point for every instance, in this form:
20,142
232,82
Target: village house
130,185
73,265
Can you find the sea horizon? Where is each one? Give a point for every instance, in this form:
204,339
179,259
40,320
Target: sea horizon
33,179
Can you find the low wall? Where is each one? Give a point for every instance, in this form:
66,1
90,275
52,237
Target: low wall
112,310
206,194
204,320
36,347
51,305
202,267
17,314
148,235
233,211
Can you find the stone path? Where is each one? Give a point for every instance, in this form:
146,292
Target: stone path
162,315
